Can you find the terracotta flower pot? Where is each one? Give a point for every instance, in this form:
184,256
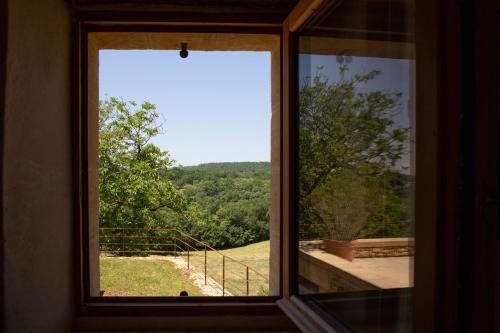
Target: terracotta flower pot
342,249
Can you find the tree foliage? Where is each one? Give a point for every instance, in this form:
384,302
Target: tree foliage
133,173
232,200
223,204
348,145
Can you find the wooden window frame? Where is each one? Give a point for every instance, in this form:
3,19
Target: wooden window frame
437,201
437,84
172,305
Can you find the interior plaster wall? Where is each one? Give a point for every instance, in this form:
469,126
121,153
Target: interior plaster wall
37,186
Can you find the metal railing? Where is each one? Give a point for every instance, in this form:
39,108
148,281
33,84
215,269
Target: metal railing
171,241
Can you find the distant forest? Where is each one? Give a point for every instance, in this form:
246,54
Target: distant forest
239,168
232,200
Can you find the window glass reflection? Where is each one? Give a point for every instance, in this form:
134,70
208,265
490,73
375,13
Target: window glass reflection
356,165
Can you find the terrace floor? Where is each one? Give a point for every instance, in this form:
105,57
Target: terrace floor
384,273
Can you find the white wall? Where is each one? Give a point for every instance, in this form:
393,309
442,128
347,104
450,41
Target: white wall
37,176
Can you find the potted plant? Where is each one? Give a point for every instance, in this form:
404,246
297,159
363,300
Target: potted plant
342,205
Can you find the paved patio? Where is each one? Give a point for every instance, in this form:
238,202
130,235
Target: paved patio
384,273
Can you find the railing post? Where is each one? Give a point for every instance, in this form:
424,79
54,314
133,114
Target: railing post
223,274
248,283
205,264
123,241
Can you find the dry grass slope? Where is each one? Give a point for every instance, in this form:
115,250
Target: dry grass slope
149,276
126,276
254,255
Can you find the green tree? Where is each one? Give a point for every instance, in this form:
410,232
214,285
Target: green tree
133,173
342,128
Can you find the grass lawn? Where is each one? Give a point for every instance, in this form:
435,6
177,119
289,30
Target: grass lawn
254,255
127,276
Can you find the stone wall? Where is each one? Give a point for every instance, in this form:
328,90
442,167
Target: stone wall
374,248
384,247
377,252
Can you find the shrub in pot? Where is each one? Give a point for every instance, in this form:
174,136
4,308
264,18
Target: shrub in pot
342,204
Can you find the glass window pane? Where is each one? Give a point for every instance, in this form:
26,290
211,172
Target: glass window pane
356,163
183,160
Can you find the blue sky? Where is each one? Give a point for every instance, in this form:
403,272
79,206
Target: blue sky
394,76
215,106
